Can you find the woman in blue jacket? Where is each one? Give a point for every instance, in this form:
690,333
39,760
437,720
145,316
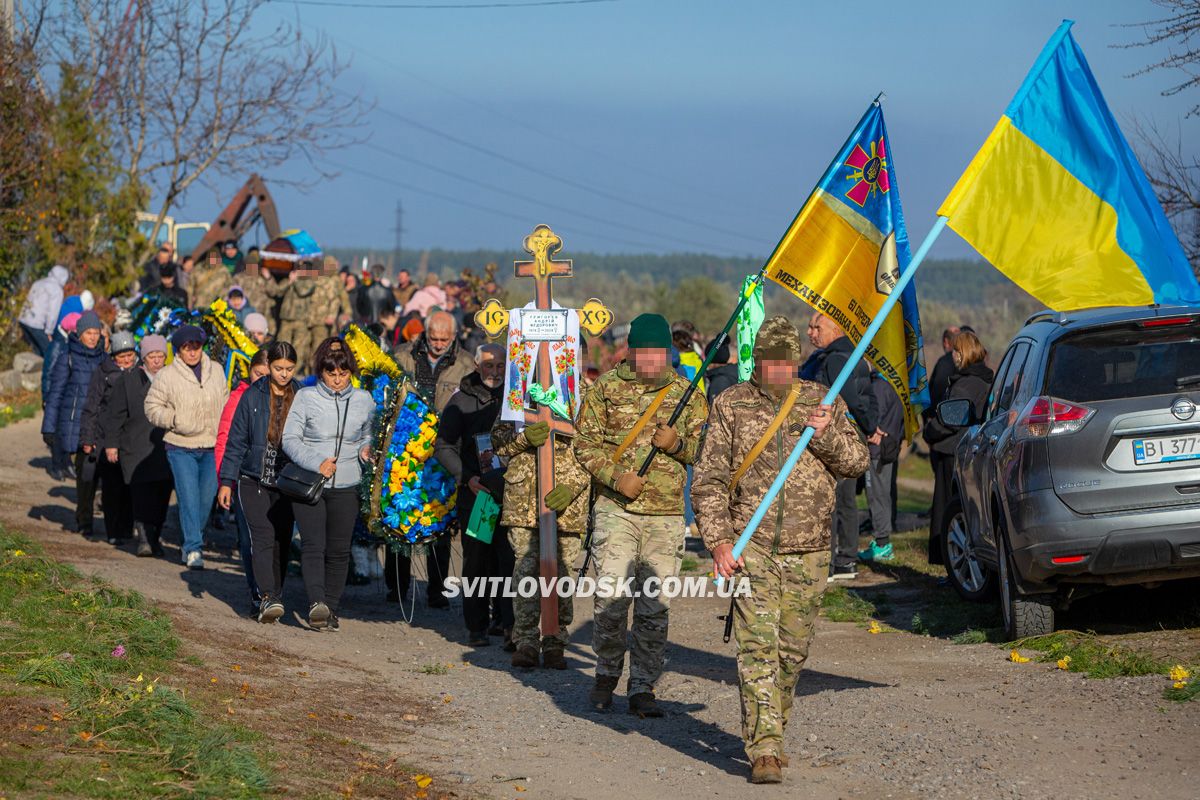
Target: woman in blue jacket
252,459
69,380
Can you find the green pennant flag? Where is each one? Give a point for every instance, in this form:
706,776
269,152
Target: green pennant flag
748,322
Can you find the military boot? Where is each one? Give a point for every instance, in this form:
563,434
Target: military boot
139,536
553,658
766,769
644,705
526,657
600,698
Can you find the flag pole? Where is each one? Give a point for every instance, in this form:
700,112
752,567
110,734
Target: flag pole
859,351
746,295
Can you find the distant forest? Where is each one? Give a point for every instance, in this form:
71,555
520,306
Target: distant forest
703,288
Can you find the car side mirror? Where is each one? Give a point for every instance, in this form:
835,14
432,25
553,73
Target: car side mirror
956,413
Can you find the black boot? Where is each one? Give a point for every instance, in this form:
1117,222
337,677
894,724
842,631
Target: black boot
644,705
143,543
600,698
153,533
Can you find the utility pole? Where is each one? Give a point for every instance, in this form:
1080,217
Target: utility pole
399,231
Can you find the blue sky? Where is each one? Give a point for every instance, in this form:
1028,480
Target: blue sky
674,125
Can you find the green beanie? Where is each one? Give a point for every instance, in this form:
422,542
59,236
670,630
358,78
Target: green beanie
650,330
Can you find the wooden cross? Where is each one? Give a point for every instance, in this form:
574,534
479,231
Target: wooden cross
542,244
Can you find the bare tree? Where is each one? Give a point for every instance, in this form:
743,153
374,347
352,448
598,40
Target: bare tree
1174,173
198,89
1180,31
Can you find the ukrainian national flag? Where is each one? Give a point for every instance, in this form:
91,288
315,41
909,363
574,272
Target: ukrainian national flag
843,256
1056,200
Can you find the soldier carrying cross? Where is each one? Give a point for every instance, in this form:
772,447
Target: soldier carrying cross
638,530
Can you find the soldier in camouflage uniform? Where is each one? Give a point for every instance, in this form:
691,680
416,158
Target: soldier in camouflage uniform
329,308
295,311
787,558
209,281
262,290
638,527
570,500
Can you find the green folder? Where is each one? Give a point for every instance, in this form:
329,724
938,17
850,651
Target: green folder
484,515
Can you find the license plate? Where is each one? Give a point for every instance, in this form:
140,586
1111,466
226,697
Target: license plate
1166,449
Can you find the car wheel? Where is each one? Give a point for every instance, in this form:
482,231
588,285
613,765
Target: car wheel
1024,615
970,578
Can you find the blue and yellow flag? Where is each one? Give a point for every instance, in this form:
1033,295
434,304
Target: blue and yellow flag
844,253
1056,200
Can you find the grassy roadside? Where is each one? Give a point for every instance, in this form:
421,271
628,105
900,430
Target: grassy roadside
89,709
104,696
1129,632
19,406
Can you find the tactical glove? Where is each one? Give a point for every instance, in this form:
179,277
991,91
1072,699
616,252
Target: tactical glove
630,484
537,433
666,439
560,497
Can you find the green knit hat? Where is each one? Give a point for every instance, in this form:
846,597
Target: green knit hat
650,330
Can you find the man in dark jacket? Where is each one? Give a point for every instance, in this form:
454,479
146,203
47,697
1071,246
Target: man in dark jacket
464,437
823,366
116,499
881,476
168,287
152,269
375,299
723,372
939,378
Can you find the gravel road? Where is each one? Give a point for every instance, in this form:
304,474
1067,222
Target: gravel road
877,716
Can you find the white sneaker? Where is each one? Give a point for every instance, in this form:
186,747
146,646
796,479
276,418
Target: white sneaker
195,560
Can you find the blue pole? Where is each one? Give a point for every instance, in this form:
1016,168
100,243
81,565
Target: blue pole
859,351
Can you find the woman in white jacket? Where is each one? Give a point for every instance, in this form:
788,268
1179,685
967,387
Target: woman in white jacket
319,416
185,400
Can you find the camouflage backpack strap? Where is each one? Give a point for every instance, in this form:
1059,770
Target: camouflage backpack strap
642,422
765,439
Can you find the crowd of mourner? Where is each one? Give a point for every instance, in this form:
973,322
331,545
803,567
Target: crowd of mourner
139,420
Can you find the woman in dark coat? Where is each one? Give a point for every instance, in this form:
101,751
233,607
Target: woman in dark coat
137,446
69,381
972,380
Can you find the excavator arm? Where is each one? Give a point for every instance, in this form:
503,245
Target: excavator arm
240,215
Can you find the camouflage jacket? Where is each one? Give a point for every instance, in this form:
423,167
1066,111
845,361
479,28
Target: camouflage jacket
207,284
263,294
328,300
520,480
800,519
297,300
610,410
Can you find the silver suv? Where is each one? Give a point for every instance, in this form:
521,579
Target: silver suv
1085,469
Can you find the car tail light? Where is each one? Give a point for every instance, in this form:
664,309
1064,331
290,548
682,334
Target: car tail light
1045,416
1167,322
1066,560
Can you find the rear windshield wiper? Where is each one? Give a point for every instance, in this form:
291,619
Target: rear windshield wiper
1187,380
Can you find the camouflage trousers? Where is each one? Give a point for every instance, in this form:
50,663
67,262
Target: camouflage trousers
637,546
527,611
773,627
298,334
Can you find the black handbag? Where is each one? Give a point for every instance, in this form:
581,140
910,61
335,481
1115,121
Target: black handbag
306,485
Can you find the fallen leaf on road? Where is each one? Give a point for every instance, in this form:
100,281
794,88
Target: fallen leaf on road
1017,658
236,667
1178,673
874,627
85,736
39,728
1064,662
422,780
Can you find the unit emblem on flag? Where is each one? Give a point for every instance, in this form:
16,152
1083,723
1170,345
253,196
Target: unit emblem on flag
869,172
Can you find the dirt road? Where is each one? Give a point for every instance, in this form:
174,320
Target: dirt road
890,715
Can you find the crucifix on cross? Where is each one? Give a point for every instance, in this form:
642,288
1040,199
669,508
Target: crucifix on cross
546,325
542,244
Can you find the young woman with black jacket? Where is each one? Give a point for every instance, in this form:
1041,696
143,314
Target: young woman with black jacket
972,380
252,460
